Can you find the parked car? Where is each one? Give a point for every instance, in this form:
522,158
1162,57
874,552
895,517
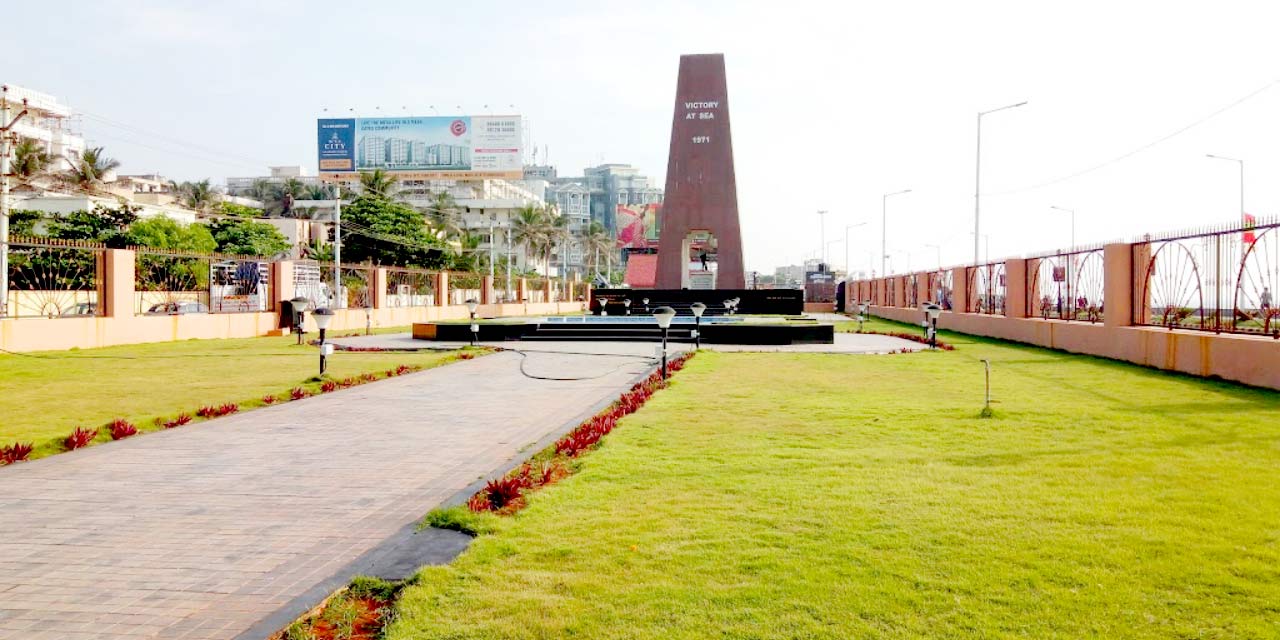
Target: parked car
80,309
177,308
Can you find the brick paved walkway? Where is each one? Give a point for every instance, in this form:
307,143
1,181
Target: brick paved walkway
206,530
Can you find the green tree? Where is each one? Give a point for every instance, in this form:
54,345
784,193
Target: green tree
389,233
29,159
238,210
531,230
22,222
598,246
103,224
165,233
378,183
201,196
88,170
248,237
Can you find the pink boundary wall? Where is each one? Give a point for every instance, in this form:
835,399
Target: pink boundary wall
120,325
1250,359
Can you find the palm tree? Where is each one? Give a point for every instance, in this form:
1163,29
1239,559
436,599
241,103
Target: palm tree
444,210
598,242
200,196
378,183
557,238
530,228
29,159
88,170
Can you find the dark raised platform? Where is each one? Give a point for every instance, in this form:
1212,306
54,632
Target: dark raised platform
634,328
780,302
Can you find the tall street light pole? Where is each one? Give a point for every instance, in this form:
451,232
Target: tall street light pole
822,233
1073,222
848,267
884,225
977,181
1241,163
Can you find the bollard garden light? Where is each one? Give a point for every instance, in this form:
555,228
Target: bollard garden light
300,305
646,305
664,316
322,317
472,305
698,308
931,313
627,303
862,315
602,302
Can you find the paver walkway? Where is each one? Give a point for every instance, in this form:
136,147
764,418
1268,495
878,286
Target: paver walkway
205,530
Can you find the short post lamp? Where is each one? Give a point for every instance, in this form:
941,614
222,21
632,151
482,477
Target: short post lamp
323,317
299,305
931,313
862,314
604,311
698,308
472,305
626,302
646,305
728,307
664,316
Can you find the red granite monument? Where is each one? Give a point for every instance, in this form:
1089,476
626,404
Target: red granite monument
700,208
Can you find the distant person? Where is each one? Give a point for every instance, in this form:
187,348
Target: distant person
840,296
1264,300
702,257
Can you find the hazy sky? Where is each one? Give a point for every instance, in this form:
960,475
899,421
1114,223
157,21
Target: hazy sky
832,104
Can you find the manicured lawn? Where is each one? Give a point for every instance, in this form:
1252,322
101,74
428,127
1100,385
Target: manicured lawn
830,496
44,396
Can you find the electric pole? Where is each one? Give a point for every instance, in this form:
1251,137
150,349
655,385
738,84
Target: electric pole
6,137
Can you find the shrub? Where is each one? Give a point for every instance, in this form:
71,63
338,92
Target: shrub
466,356
403,369
81,437
207,412
183,418
369,377
228,409
298,393
16,452
328,386
121,429
347,383
505,492
268,399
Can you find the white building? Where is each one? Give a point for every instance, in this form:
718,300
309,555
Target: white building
45,122
278,175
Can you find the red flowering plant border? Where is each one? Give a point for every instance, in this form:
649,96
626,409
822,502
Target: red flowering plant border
507,494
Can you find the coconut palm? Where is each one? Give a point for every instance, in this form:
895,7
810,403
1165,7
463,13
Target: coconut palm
445,213
201,196
531,230
29,159
598,243
378,183
88,170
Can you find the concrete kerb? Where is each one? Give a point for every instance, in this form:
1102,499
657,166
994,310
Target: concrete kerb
440,547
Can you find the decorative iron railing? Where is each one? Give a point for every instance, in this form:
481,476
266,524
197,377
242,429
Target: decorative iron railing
465,286
940,289
987,289
411,287
54,279
1066,286
913,290
1221,279
177,283
357,285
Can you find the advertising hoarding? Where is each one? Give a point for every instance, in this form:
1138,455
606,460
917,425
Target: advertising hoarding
421,148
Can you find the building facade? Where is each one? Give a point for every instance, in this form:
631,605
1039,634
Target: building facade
46,122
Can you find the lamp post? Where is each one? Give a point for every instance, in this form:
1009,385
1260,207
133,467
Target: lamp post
472,305
822,233
1241,163
626,303
602,302
664,316
862,314
299,305
884,225
977,180
646,305
1073,222
931,313
322,317
698,308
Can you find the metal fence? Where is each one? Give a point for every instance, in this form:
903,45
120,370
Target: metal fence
54,279
1066,286
1221,279
357,285
913,291
535,290
465,286
177,283
940,289
411,287
987,289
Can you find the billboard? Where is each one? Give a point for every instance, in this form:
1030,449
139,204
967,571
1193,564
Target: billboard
421,148
638,225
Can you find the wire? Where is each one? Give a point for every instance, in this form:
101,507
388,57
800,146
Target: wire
524,356
1139,149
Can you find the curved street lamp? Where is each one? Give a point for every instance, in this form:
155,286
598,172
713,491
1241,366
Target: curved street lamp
698,309
323,317
664,316
472,305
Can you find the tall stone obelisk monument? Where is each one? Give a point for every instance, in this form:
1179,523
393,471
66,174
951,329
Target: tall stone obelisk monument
702,193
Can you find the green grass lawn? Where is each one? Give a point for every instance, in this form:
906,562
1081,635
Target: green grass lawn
44,396
834,496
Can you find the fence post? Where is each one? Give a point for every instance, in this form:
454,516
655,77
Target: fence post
1015,288
960,290
522,288
378,283
486,290
547,285
442,288
281,282
121,265
1124,268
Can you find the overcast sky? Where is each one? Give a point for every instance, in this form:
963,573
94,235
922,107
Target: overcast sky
832,104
